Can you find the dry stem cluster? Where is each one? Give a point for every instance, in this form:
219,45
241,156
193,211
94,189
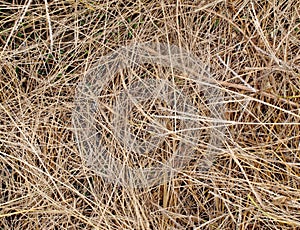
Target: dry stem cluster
252,48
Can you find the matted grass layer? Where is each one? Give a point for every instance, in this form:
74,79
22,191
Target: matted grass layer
252,47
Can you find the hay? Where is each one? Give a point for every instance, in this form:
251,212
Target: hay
145,93
48,48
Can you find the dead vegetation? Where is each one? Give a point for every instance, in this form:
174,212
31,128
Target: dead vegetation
252,48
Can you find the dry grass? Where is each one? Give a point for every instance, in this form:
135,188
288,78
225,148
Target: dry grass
48,46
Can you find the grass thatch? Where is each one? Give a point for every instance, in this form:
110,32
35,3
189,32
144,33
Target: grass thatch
252,48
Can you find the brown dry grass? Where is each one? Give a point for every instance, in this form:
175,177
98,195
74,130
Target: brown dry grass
48,46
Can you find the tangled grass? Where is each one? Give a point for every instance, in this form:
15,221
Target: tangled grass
252,48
